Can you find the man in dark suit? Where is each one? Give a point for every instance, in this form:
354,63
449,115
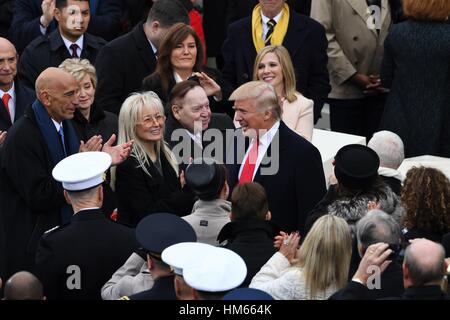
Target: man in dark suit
17,96
303,37
33,18
31,201
75,260
124,62
285,164
70,40
191,124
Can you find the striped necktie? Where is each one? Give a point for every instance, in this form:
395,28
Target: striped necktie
271,24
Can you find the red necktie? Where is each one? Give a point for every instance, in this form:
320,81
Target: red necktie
250,164
74,48
6,97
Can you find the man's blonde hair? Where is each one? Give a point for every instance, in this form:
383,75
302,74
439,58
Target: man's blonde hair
262,93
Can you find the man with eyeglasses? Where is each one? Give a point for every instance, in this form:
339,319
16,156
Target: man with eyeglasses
192,130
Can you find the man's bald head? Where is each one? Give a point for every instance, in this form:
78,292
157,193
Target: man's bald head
425,262
58,91
8,64
51,78
5,44
23,286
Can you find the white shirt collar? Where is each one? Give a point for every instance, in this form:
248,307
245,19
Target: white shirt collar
57,125
155,50
177,77
11,92
197,137
12,101
265,20
79,43
264,142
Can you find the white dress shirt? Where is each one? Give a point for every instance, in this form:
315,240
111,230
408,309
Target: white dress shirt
12,101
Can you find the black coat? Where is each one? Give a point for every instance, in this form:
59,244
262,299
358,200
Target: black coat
298,184
91,242
153,83
415,67
218,121
51,51
139,195
163,289
24,97
391,285
251,239
100,122
105,23
6,15
307,44
121,66
30,199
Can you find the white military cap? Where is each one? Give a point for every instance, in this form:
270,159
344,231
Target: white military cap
82,170
184,254
218,270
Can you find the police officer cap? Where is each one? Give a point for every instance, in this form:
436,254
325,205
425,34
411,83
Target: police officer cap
205,180
158,231
184,254
247,294
82,171
218,270
356,166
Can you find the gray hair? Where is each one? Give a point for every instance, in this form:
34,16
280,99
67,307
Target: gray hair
377,226
262,93
389,148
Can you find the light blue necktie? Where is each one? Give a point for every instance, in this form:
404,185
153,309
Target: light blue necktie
61,135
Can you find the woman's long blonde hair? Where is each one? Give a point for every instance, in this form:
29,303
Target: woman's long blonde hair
325,254
287,68
129,116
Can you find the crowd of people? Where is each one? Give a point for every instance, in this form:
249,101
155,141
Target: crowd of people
161,150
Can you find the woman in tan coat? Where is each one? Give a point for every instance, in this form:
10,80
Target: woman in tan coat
273,65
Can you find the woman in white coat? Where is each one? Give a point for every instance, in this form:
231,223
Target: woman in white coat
273,65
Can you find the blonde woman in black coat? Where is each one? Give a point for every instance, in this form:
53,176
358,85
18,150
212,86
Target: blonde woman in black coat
148,181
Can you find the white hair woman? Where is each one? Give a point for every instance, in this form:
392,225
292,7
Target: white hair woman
148,181
89,119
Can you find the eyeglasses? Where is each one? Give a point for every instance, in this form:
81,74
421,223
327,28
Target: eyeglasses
150,119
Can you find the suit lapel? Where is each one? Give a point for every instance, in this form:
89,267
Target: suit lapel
4,115
360,7
249,49
20,103
276,146
144,47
